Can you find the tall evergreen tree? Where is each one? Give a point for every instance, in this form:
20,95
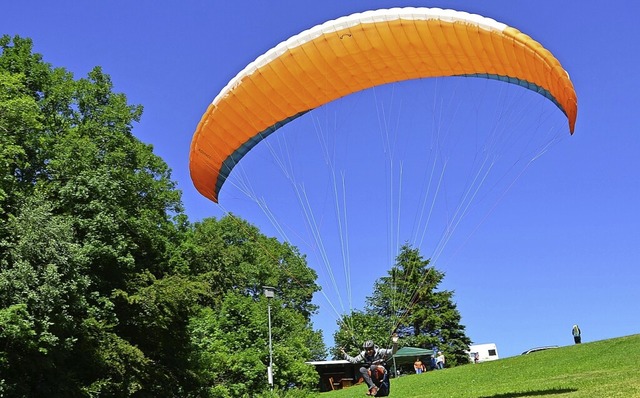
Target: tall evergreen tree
422,315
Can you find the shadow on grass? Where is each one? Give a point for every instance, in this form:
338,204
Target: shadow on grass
538,393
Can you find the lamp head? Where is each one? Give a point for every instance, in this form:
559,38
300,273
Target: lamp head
269,292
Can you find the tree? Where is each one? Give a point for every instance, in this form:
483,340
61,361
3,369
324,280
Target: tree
88,216
425,316
231,254
43,289
20,120
106,289
232,343
407,301
230,336
357,327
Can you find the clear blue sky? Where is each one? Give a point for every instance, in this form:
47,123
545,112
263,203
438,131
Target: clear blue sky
562,246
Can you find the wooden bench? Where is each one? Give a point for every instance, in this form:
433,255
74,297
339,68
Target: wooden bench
346,382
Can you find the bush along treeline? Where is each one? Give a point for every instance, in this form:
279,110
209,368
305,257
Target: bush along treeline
106,288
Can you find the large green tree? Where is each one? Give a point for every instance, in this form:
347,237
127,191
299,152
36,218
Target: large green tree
407,301
423,315
105,288
231,334
88,216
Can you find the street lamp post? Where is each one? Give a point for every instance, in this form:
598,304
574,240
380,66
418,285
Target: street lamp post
394,339
269,294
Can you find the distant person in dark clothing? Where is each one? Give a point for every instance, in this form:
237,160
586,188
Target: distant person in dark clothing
575,331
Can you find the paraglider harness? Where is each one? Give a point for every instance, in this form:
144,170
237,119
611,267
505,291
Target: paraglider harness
373,367
379,376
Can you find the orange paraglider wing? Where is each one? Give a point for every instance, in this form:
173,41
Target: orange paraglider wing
358,52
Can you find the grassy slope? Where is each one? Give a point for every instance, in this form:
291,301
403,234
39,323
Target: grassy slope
607,368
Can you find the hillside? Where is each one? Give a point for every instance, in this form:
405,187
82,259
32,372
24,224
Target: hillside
607,368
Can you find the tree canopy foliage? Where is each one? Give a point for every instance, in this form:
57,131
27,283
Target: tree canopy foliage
106,289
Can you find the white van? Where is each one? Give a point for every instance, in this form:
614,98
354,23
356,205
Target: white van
485,352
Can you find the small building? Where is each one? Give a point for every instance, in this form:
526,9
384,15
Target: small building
485,352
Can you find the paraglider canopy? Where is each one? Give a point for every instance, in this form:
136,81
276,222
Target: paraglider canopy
357,52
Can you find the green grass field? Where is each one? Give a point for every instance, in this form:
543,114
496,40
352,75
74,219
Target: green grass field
607,368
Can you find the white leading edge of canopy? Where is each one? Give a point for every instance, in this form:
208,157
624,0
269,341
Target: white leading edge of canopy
408,13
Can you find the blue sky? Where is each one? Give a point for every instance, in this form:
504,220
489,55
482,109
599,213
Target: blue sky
562,246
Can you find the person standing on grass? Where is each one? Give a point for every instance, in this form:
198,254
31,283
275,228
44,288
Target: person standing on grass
418,366
440,360
575,331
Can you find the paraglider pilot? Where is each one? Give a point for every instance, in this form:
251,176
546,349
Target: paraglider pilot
373,370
